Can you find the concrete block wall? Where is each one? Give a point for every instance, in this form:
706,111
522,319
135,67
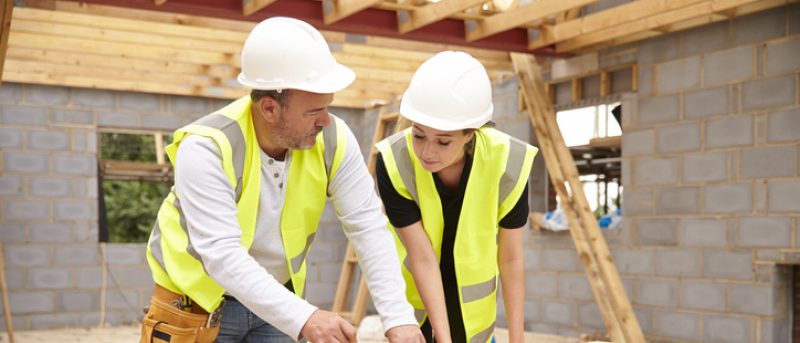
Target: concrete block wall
712,176
49,213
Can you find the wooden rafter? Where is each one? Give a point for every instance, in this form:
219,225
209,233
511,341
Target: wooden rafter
507,20
654,22
605,19
6,9
159,2
694,22
425,15
335,10
152,53
252,6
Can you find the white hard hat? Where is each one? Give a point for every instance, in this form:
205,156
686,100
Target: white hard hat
286,53
450,91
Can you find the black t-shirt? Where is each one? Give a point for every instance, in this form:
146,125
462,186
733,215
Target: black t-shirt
403,212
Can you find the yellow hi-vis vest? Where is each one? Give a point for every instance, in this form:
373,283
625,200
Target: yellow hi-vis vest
500,169
176,266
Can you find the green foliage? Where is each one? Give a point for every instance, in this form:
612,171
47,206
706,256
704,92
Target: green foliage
131,205
129,147
131,208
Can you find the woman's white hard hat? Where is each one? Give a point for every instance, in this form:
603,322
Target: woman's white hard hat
286,53
450,91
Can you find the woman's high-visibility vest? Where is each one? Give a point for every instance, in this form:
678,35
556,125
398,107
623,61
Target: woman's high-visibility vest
175,264
500,169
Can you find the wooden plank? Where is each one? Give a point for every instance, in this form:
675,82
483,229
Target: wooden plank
159,2
538,107
606,142
59,70
159,142
691,23
406,45
112,35
700,9
366,94
384,86
141,23
547,131
112,49
605,83
605,19
507,20
345,279
199,80
335,10
252,6
414,54
577,90
205,28
424,15
353,60
342,99
570,14
383,75
6,13
92,60
41,77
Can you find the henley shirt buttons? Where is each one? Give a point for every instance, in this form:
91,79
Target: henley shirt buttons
270,161
276,175
280,185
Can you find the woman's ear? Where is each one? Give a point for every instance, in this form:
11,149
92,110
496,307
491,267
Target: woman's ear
469,135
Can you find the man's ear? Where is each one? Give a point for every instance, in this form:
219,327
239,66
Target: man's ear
270,109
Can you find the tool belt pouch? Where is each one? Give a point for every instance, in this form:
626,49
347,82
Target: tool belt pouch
166,323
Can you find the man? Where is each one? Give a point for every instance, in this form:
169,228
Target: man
251,181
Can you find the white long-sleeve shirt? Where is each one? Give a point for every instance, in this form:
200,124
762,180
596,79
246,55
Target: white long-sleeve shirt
256,277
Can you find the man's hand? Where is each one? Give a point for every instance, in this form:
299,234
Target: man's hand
405,334
328,327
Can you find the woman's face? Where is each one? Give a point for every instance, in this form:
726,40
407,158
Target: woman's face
438,149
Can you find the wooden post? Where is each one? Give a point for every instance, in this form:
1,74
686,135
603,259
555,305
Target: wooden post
589,242
6,305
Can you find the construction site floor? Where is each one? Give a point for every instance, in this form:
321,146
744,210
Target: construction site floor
130,334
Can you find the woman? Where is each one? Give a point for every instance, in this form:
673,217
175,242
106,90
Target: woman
455,190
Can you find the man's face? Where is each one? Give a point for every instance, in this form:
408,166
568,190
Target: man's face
302,119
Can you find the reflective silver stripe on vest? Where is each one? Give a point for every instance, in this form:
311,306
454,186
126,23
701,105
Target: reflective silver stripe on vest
479,290
330,138
233,132
297,261
516,156
182,220
407,263
419,315
483,336
402,158
155,245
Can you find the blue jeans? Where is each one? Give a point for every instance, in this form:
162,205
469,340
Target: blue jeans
242,325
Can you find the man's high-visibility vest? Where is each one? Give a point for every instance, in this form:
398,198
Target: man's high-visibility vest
175,264
500,169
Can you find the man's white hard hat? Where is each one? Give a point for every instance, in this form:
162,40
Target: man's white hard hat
286,53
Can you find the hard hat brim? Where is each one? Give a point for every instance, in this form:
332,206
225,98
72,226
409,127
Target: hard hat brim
434,122
340,78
